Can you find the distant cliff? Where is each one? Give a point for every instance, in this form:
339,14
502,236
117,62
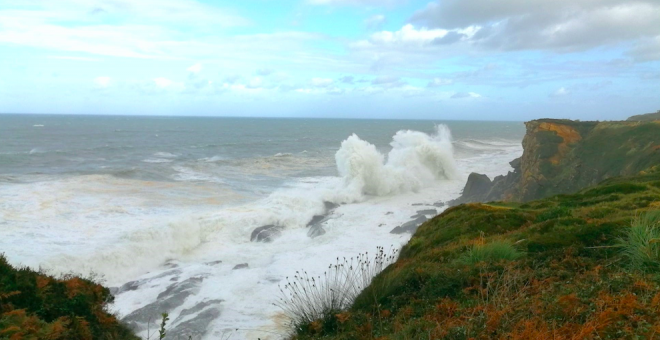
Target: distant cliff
563,156
646,117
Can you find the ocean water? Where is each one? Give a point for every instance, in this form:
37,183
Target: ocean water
163,208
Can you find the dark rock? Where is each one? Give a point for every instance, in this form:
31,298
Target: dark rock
418,204
315,231
329,206
213,263
389,213
476,189
409,227
439,204
241,266
427,212
197,326
477,184
171,298
266,233
317,219
515,164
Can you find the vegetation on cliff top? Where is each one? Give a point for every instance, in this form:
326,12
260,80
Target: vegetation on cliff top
565,267
645,117
37,306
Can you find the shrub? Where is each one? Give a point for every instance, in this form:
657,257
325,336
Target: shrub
641,242
491,252
306,299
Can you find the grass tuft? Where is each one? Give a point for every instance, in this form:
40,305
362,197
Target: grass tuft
306,299
641,242
495,251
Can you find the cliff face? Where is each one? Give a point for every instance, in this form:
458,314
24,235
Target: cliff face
563,156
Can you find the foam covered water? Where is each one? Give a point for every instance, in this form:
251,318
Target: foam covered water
170,222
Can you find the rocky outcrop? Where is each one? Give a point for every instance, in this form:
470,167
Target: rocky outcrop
563,156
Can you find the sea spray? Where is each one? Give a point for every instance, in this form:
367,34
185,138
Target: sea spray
416,159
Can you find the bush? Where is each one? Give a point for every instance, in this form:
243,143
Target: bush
306,299
641,242
491,252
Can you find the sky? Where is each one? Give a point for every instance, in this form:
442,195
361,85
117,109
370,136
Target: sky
443,59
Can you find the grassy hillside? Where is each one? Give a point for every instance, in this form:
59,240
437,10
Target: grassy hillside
36,306
565,267
645,117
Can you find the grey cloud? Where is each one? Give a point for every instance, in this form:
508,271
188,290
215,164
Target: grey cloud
460,95
563,25
647,49
347,79
388,81
232,79
265,72
449,38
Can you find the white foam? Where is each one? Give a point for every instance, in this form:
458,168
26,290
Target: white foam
416,159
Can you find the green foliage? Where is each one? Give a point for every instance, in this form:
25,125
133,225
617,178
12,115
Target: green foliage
161,332
36,306
641,243
495,251
553,213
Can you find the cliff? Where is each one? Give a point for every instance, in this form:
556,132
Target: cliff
562,156
557,268
645,117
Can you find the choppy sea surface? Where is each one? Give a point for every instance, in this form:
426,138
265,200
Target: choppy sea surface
163,208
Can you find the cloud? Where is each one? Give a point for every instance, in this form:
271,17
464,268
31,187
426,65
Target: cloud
375,22
647,49
264,72
368,3
347,79
465,95
560,92
195,68
437,82
321,82
232,79
562,25
388,81
163,82
102,82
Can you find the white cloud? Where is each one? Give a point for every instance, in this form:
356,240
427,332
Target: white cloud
560,92
437,82
369,3
321,82
195,68
102,82
409,36
163,82
465,95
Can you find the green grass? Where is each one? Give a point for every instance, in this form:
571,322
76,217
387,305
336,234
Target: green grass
495,251
564,267
640,245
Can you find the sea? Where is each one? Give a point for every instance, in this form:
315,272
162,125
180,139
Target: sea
163,209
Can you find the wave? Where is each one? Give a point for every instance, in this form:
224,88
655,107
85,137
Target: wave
416,159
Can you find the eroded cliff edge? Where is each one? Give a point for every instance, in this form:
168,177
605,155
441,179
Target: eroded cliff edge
563,156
